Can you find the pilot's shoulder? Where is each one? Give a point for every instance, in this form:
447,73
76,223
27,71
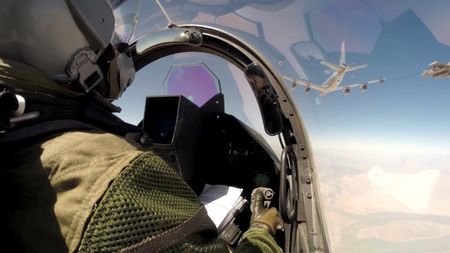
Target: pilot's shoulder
84,148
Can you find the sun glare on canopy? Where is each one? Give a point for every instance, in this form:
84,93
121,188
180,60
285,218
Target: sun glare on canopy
194,81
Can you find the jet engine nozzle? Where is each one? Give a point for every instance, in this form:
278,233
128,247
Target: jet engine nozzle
346,91
307,90
363,87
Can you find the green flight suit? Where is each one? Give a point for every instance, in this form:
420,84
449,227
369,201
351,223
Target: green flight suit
95,192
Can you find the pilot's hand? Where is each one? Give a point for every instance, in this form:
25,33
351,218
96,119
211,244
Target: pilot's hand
262,217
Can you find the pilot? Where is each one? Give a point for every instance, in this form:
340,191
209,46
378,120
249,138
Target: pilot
75,177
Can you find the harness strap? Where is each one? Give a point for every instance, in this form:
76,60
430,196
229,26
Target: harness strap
171,237
48,114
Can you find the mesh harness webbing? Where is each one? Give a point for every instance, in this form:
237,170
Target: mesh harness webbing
144,202
171,237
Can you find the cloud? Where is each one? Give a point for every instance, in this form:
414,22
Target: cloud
412,190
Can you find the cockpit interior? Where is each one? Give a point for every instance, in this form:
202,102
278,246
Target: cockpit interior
205,145
205,141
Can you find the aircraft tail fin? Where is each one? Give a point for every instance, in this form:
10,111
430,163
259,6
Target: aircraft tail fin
342,65
342,59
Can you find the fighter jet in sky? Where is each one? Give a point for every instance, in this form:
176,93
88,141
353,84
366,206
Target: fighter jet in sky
334,81
437,70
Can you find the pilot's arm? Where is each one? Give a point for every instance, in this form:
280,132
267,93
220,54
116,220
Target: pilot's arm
263,225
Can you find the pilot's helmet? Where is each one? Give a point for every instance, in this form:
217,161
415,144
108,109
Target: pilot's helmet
72,41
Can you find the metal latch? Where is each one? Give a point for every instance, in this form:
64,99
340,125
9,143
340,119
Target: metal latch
85,68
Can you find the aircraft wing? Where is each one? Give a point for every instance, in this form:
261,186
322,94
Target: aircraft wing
437,64
378,81
305,83
351,68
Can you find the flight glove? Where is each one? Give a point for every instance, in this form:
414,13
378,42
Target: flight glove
262,217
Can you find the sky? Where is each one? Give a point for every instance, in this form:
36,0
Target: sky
384,153
371,150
